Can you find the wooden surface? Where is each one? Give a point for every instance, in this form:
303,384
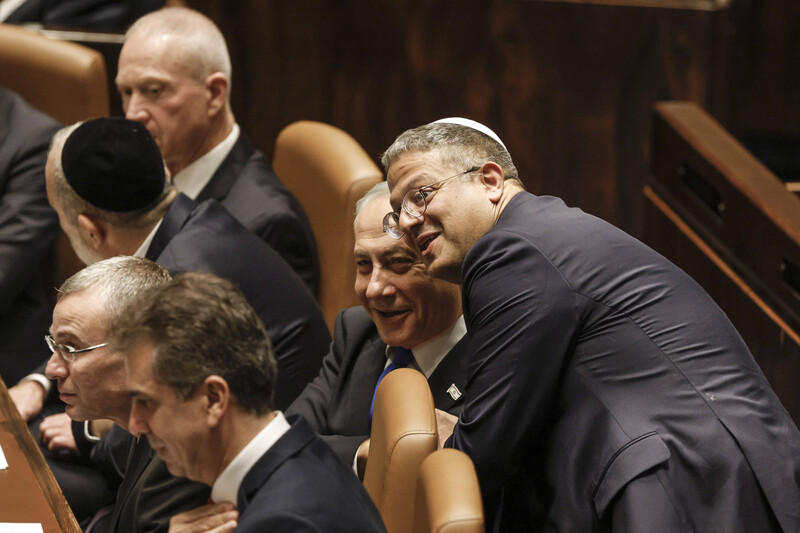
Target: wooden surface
719,214
28,490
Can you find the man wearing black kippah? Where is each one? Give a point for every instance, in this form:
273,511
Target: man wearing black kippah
107,182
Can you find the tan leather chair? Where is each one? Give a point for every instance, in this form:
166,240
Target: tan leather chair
403,435
448,495
65,80
328,171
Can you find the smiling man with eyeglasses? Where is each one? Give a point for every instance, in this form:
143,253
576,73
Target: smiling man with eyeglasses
607,391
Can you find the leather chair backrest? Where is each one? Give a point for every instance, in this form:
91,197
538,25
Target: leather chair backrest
328,171
448,495
64,80
403,434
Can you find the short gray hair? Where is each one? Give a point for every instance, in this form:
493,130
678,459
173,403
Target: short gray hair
73,205
200,43
123,279
460,147
377,190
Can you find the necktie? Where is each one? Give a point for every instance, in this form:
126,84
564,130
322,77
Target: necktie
402,357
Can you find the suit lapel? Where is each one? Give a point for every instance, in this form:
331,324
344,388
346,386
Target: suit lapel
228,172
298,437
448,382
177,215
139,457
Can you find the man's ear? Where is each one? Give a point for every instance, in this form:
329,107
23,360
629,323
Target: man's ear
217,86
217,398
92,230
493,180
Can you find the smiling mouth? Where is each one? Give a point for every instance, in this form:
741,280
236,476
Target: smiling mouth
424,244
390,314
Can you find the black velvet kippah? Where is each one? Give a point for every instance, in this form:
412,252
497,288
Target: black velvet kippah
114,164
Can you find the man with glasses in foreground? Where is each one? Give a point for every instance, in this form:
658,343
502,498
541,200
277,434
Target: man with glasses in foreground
91,382
607,391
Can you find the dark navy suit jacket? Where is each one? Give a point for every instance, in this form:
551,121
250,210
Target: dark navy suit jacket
336,404
607,391
246,186
28,226
300,485
205,237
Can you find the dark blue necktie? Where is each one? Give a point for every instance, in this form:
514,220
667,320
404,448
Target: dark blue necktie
402,357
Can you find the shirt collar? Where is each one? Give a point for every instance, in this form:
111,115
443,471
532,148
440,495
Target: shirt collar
193,179
142,250
226,486
429,354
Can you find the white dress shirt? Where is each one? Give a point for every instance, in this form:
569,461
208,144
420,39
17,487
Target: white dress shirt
226,486
192,179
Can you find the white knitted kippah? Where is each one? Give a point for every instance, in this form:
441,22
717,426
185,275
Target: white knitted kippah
471,124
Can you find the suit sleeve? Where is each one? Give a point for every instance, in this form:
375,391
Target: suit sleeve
293,241
315,400
522,317
27,222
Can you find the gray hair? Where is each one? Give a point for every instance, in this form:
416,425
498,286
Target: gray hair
377,190
460,147
123,279
73,205
199,43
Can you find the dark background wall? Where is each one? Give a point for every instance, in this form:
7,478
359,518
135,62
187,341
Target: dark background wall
568,85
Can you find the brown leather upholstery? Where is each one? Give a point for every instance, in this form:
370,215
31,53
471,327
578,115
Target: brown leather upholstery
403,435
448,495
65,80
328,171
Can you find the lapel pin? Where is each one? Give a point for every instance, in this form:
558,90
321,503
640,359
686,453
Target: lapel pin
453,391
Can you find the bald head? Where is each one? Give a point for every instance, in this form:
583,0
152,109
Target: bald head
196,41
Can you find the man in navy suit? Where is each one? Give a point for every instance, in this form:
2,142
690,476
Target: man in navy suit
606,390
402,306
174,78
200,371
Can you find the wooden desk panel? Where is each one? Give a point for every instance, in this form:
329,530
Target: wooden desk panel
716,212
28,490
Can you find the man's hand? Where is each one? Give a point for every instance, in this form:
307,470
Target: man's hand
215,517
55,432
28,397
445,423
361,458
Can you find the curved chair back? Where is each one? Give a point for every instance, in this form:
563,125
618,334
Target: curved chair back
448,495
403,435
64,80
328,171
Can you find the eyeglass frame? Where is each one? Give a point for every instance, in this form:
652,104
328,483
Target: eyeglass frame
67,352
395,215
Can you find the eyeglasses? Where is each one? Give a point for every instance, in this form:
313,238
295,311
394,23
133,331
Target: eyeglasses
67,352
415,202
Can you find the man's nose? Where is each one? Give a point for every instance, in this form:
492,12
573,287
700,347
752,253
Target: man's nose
137,426
379,285
56,367
406,222
136,110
